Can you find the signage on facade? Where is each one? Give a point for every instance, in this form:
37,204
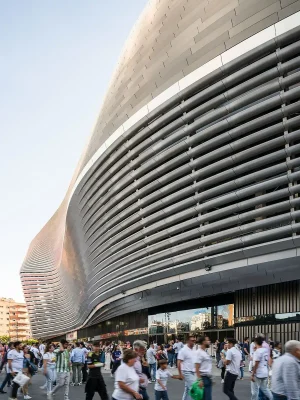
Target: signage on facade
71,335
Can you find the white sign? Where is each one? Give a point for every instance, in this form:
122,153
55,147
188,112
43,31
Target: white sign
71,335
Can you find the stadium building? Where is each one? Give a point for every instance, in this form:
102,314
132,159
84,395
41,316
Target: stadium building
183,213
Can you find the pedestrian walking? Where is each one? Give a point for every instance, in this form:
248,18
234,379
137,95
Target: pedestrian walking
8,378
260,371
162,376
151,353
15,360
222,363
186,366
233,362
95,381
177,346
126,379
63,365
286,373
139,346
49,363
203,367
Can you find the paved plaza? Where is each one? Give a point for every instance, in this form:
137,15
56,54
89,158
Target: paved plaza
175,388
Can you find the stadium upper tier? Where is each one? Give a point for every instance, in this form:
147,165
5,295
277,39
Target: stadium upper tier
188,185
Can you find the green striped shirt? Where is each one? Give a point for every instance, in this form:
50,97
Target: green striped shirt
62,361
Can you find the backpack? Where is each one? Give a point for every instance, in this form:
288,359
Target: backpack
102,357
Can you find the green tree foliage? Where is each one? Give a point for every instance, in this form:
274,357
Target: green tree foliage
4,339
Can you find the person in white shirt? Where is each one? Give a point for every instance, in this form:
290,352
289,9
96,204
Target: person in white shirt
126,379
34,349
84,368
15,360
252,349
177,346
49,363
42,351
186,366
203,366
162,379
260,371
233,363
151,353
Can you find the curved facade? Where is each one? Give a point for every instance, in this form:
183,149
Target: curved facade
188,185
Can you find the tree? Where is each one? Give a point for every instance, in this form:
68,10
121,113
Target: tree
30,341
4,339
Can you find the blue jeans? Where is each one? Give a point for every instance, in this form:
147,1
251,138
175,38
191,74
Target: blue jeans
207,388
260,384
279,396
51,377
170,359
152,367
242,372
161,395
144,393
7,380
189,379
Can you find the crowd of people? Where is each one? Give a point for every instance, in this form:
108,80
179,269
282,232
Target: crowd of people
272,375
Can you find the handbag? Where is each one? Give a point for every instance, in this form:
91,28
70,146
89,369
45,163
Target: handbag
221,364
196,392
21,379
32,368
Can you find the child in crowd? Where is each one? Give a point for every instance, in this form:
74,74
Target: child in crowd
162,375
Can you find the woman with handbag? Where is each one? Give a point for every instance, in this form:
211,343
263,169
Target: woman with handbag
49,366
29,369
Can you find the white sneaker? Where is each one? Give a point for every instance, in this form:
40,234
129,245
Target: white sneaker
43,387
27,397
222,381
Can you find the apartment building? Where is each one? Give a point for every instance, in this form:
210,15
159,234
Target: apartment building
14,320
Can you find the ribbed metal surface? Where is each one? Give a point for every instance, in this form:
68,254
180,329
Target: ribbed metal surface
265,300
217,171
213,170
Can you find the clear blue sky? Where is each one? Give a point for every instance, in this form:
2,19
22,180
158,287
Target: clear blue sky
56,59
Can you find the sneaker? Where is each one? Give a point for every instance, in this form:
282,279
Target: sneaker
72,384
2,391
80,383
43,387
222,381
27,397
